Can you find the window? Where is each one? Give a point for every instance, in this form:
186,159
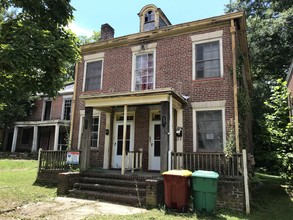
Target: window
207,61
47,110
209,130
144,71
67,109
149,21
93,79
207,55
95,132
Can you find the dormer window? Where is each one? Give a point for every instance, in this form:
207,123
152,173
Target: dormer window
149,20
152,18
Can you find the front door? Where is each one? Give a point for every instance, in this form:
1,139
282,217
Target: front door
118,142
155,145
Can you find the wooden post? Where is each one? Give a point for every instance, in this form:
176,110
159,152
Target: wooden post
233,33
246,188
86,139
164,135
39,159
171,132
14,141
124,141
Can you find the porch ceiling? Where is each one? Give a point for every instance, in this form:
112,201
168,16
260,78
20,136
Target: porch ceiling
146,97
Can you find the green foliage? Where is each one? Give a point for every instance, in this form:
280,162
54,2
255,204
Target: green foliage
86,40
280,127
230,146
35,50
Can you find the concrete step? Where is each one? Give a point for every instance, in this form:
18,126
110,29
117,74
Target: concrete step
138,201
134,191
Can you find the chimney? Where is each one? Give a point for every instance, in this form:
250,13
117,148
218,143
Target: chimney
107,32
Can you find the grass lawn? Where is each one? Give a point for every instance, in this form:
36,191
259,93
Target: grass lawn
17,187
271,197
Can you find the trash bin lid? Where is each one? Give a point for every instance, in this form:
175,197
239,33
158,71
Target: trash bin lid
184,173
206,174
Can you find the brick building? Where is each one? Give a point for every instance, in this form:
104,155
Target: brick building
47,127
169,88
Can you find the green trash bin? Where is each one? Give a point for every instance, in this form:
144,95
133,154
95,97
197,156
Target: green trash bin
204,190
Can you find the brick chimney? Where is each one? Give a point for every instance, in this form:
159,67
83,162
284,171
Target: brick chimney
107,32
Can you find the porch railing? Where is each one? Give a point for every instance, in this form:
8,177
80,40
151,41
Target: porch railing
54,160
134,160
227,167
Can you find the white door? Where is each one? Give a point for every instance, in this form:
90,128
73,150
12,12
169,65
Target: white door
155,145
118,142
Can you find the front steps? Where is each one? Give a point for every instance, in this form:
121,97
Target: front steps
126,189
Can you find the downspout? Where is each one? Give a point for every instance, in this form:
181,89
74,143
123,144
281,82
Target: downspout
235,89
171,133
73,106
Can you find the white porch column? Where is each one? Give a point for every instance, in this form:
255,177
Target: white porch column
124,141
35,139
171,132
179,141
56,137
106,164
15,134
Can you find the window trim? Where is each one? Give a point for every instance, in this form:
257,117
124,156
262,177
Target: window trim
208,106
96,113
207,38
141,50
68,97
93,58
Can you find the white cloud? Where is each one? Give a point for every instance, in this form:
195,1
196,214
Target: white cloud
79,31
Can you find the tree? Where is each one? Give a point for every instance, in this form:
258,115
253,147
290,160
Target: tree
35,49
270,37
280,127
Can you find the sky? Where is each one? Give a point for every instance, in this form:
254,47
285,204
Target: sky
122,14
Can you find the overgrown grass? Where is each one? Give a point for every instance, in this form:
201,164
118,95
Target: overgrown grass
17,187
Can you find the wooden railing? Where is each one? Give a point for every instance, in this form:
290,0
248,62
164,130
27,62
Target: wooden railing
54,160
227,167
134,160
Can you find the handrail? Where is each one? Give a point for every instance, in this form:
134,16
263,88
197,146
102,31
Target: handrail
227,167
54,160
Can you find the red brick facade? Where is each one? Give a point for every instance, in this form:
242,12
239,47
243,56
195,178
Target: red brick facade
173,69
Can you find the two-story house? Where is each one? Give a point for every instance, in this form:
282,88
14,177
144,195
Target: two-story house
169,88
47,127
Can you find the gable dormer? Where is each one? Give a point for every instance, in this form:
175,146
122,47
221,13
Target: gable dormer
152,18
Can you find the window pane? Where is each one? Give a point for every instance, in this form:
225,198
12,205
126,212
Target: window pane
207,60
209,130
93,75
144,71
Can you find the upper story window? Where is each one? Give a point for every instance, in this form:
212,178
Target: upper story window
47,110
207,55
67,109
149,20
93,75
93,72
144,71
144,67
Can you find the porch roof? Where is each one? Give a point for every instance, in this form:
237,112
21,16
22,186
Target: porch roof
146,97
42,123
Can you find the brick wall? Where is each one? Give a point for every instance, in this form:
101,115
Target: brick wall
173,69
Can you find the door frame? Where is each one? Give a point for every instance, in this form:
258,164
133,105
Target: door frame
116,123
152,158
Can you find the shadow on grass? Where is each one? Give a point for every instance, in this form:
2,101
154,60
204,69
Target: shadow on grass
271,199
44,184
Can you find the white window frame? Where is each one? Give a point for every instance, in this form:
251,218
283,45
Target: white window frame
67,97
208,106
96,113
93,58
206,38
140,50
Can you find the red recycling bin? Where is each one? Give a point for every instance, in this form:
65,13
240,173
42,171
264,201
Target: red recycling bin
177,189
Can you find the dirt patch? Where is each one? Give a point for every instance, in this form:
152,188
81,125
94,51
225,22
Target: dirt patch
67,209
